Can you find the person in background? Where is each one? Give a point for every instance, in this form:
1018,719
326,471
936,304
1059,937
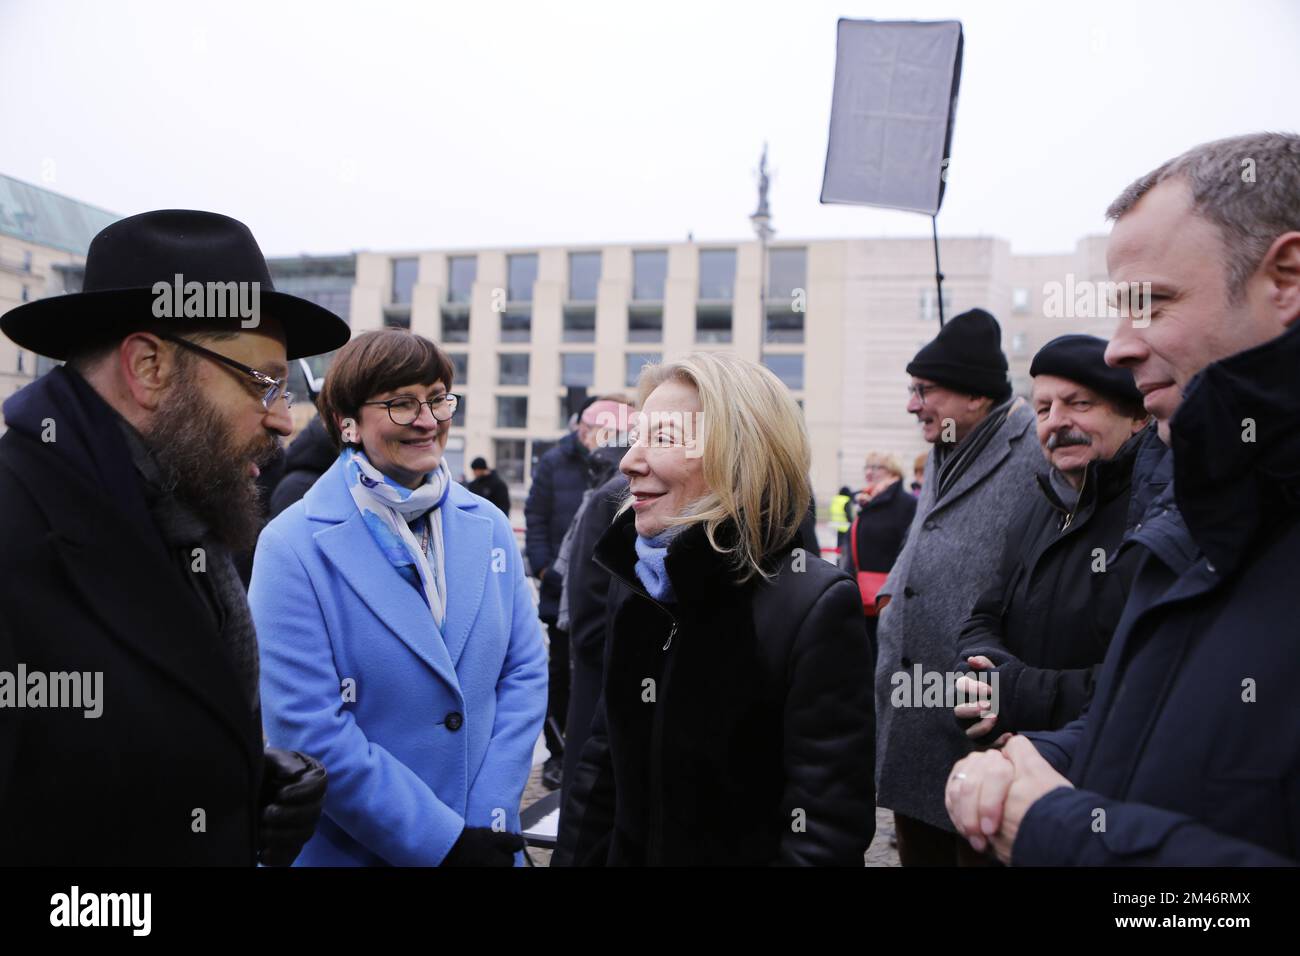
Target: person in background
841,521
1045,622
488,484
560,479
918,473
582,601
735,723
979,473
309,456
400,641
885,513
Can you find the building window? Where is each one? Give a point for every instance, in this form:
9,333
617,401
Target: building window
584,276
27,261
712,324
460,367
645,324
788,368
787,273
649,275
455,325
461,273
577,368
25,295
1018,343
522,273
508,455
404,276
579,324
21,368
636,361
397,319
516,325
717,274
929,311
512,411
512,368
784,325
1020,300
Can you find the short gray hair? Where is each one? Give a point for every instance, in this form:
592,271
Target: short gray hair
1248,186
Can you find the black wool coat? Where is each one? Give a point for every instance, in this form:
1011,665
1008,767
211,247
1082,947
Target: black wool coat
736,725
1049,617
883,523
86,585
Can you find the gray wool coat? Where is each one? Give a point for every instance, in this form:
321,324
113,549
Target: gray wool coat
951,556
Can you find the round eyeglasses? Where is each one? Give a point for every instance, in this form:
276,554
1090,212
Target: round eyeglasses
405,409
270,390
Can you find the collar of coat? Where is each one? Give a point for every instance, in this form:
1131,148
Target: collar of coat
698,571
1236,450
467,534
1104,481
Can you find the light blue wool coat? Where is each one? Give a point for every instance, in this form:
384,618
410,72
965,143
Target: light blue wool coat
355,673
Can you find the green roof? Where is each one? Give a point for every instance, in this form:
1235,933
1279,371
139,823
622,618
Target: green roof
37,215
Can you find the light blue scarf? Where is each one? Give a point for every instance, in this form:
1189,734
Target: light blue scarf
388,509
650,570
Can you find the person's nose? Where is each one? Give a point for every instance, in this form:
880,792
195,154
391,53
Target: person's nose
279,420
634,463
914,403
1125,348
424,418
1058,417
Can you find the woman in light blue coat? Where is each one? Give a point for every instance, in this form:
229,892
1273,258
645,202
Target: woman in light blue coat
399,640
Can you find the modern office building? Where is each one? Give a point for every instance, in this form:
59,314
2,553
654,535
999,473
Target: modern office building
43,242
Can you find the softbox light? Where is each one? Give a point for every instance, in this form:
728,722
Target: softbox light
892,113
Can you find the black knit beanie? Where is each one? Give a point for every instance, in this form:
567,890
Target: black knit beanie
966,356
1081,358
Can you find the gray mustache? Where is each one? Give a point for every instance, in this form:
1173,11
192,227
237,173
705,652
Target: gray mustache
1066,439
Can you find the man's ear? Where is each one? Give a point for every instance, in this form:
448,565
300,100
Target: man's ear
1282,269
147,368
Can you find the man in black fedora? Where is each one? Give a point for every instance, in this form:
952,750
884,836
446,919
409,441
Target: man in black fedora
130,723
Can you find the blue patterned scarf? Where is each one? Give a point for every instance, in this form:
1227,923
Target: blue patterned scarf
650,569
388,510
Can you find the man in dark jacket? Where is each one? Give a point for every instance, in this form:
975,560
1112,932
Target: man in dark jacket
309,456
1047,620
130,724
488,484
559,482
1189,753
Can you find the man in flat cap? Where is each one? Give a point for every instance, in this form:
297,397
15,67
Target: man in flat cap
980,471
130,723
1046,621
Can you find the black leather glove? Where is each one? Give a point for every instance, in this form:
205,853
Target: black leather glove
293,794
482,846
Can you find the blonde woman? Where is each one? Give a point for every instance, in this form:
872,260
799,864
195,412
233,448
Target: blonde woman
885,513
736,723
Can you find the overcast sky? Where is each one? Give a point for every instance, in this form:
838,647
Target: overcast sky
330,127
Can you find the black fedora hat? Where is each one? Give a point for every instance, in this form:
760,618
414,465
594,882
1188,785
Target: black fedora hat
129,263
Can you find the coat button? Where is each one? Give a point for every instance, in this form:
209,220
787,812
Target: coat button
908,592
906,662
453,721
929,526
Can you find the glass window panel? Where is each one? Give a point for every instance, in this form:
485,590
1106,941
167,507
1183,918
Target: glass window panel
645,325
788,368
461,273
649,274
717,274
784,325
577,368
635,361
579,325
522,272
508,454
455,326
584,276
712,325
512,368
404,275
786,271
512,411
460,367
516,325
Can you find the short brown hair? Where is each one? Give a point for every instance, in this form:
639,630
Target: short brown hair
376,362
1222,178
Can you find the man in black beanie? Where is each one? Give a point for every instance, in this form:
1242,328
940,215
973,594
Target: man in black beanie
977,477
1047,620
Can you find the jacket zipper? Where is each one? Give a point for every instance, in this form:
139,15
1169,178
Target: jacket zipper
1069,515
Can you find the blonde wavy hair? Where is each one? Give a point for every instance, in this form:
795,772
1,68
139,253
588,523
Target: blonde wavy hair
887,460
754,452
